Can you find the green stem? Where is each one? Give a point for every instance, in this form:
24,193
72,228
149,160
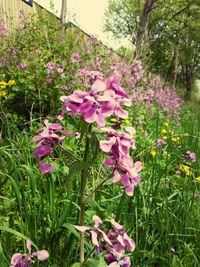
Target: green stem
82,195
97,187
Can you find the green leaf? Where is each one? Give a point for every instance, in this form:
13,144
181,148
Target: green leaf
71,229
96,262
75,232
16,233
76,167
95,145
77,264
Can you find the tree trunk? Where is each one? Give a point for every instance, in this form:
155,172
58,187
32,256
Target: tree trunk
143,26
63,16
176,63
188,79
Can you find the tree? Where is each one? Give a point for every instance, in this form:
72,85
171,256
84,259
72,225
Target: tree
165,34
142,31
129,18
63,16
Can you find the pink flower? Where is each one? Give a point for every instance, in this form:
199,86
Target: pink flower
104,99
46,138
160,142
24,260
113,244
45,167
190,156
50,67
75,58
125,171
97,235
49,80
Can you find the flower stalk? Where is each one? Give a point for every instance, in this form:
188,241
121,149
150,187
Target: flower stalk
82,193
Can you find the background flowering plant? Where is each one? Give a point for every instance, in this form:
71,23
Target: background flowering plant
113,149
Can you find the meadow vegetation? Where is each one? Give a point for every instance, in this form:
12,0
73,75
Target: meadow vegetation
99,160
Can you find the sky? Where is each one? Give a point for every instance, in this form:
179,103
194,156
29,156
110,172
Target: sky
88,16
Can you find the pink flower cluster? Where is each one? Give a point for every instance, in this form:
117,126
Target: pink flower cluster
75,58
105,98
52,68
113,243
168,100
26,260
87,76
142,96
131,73
160,142
125,170
46,138
22,66
191,156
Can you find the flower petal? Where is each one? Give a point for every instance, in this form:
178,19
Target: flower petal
82,228
116,176
45,167
42,255
28,245
106,145
97,220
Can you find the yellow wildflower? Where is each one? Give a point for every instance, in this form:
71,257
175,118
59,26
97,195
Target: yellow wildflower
171,132
166,124
176,140
163,131
188,173
11,82
152,152
184,168
164,137
197,179
113,120
2,93
2,83
126,121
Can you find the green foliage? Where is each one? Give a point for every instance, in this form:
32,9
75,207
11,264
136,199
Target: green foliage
162,217
171,45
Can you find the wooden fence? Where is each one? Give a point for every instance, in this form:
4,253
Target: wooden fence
11,13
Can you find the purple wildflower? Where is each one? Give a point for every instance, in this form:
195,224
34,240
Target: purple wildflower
48,80
104,99
51,67
22,66
160,142
75,58
46,138
60,69
25,260
125,171
190,156
113,244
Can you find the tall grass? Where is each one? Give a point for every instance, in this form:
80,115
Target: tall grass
163,217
